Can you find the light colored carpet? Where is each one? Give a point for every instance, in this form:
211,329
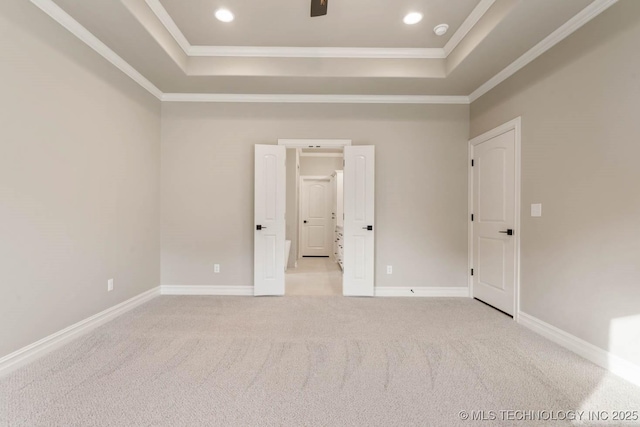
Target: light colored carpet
306,361
314,276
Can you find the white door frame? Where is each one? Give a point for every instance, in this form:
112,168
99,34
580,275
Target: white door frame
515,125
300,183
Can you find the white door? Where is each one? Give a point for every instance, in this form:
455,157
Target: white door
359,226
269,227
494,221
315,214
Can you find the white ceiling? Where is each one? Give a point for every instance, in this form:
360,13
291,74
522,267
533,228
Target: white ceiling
349,23
274,50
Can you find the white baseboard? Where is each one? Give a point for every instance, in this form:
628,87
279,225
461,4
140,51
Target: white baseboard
392,291
27,354
597,355
206,290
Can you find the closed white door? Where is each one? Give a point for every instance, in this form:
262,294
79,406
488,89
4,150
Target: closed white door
359,226
315,214
269,226
494,221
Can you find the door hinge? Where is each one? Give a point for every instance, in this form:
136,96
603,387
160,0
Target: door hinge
472,163
471,217
344,162
472,271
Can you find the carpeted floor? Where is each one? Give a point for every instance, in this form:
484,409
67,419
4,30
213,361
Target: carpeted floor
307,361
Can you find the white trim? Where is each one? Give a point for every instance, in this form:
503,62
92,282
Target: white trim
315,178
436,292
322,155
467,25
169,24
314,99
74,27
314,143
580,19
317,52
207,290
600,357
39,348
515,125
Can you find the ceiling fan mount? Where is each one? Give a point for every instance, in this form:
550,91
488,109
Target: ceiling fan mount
319,7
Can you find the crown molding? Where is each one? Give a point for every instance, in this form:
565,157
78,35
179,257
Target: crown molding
317,52
314,99
75,28
467,25
584,16
170,25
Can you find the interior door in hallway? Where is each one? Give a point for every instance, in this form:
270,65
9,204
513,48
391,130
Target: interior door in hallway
494,221
315,213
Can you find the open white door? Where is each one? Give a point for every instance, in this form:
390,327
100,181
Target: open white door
269,227
359,174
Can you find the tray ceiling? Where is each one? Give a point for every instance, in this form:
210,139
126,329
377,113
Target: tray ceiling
349,23
274,52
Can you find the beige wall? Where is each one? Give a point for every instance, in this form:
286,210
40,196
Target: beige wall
79,176
320,166
207,186
580,105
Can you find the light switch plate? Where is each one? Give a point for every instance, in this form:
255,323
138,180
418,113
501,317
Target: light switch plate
536,210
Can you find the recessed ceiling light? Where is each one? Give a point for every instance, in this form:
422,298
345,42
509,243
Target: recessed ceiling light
224,15
441,29
413,18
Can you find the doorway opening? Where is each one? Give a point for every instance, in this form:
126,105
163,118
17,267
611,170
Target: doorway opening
494,231
272,250
314,221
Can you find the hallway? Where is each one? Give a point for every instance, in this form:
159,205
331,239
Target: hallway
314,277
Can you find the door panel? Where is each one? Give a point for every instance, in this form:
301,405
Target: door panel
491,257
269,227
491,185
494,207
315,214
359,230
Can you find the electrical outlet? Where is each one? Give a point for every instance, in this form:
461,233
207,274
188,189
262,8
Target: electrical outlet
216,268
389,269
109,285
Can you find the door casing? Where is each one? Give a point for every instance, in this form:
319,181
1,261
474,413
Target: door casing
515,125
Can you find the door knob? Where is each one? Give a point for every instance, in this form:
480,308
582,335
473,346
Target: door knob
305,221
368,227
508,232
260,227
